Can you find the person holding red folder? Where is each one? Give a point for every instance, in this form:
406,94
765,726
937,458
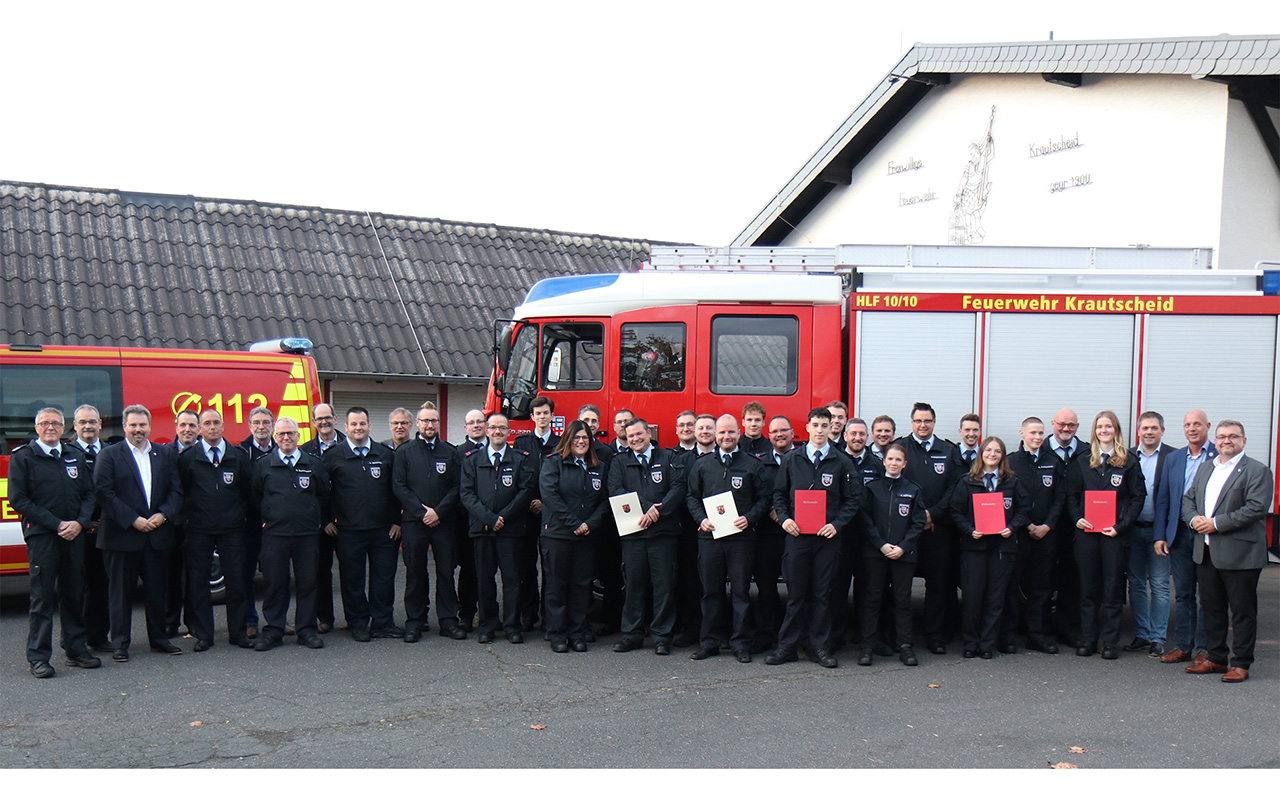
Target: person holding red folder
1101,549
987,506
812,551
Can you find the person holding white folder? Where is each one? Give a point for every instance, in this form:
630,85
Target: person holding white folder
727,498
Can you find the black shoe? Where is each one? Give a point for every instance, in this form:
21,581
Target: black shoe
882,649
683,640
704,652
265,643
361,634
203,645
1110,652
743,656
120,656
453,633
166,647
393,632
1157,649
42,669
101,647
485,637
939,649
627,645
970,653
1137,644
412,635
323,627
662,649
761,646
467,626
559,647
986,654
1086,650
529,625
426,626
515,637
1008,648
864,658
310,640
908,656
171,632
1041,644
781,656
825,659
589,636
243,642
579,646
84,661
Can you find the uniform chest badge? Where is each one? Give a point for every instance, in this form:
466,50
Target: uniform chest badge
1008,503
228,478
375,471
827,479
304,481
595,484
736,481
73,471
1047,480
939,467
440,466
1117,478
507,480
904,509
656,476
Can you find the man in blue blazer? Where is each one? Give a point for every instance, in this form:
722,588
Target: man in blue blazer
140,494
1172,537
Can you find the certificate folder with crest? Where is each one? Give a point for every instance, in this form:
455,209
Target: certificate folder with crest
988,512
722,511
1100,509
627,513
811,510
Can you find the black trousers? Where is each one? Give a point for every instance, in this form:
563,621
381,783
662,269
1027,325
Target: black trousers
531,602
649,562
1101,561
57,569
324,579
566,578
936,554
728,558
199,551
252,549
416,538
468,589
177,608
879,573
842,586
97,617
1066,582
809,562
498,554
123,569
1027,600
689,587
768,611
1234,591
608,571
278,554
984,581
375,549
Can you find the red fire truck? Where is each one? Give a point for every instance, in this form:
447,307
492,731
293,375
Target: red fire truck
275,374
1005,332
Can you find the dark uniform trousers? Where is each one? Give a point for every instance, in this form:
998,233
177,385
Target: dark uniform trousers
1027,599
1237,588
567,566
767,570
843,584
56,583
278,552
177,604
199,553
728,557
809,561
468,587
498,554
416,538
1066,581
376,549
646,560
879,574
608,570
937,553
97,619
124,567
531,601
984,581
249,569
689,588
324,579
1102,561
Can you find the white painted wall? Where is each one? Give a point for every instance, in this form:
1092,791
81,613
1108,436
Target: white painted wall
1152,148
460,399
1251,195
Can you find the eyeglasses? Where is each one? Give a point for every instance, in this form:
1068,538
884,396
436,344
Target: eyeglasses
403,424
499,427
324,419
1228,437
1066,425
50,425
581,438
286,434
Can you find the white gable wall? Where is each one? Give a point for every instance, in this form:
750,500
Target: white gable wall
1251,196
1149,164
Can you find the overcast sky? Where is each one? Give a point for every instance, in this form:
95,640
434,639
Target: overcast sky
655,120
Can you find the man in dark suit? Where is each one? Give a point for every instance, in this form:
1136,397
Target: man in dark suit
1148,570
1227,508
259,445
540,443
88,427
140,495
327,436
178,609
1174,539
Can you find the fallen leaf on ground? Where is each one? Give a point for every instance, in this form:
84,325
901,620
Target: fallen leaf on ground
538,727
935,686
1062,765
1075,750
196,724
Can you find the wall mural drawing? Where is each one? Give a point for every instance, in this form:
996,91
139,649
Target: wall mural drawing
971,196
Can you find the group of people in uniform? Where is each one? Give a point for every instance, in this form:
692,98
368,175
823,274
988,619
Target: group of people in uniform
846,518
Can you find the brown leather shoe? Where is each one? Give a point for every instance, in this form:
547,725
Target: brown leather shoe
1205,667
1235,675
1174,657
1200,658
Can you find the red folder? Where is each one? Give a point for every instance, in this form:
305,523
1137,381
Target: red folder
1100,509
988,512
811,509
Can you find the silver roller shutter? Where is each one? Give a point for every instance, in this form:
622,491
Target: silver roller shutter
1039,363
910,356
380,405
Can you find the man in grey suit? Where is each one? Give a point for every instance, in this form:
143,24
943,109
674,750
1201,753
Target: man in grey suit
1226,507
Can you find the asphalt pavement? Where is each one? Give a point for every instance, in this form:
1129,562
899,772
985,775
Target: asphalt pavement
458,704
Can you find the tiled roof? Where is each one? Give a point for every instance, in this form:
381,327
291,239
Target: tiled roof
103,267
1232,59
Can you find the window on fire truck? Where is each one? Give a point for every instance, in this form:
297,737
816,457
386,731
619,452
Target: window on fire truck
522,366
27,388
574,356
755,355
651,357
